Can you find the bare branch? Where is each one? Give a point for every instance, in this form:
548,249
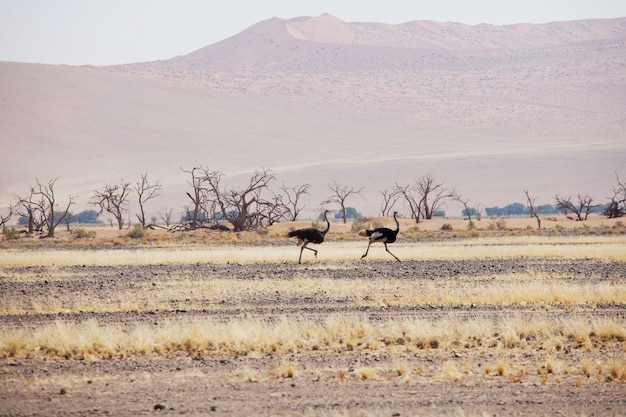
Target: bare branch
47,205
390,198
340,194
145,192
533,208
113,199
581,208
293,195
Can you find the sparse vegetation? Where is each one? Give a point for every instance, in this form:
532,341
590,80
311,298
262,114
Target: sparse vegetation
10,233
82,233
137,232
265,320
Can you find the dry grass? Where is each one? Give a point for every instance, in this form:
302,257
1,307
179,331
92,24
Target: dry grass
459,347
172,292
90,339
516,344
607,248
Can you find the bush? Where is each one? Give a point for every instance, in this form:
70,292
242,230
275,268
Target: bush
446,227
358,225
137,232
81,233
11,233
498,224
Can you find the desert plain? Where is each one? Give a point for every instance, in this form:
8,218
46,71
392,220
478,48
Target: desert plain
502,322
483,321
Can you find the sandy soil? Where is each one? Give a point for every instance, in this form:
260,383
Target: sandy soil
324,381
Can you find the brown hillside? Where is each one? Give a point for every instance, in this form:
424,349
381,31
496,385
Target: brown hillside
490,110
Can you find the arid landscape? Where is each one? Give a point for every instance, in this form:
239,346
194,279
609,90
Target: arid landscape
508,322
490,110
490,317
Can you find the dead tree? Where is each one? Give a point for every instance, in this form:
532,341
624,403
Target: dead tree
390,198
465,202
166,215
199,195
617,206
407,192
113,199
145,192
533,209
581,208
4,218
29,208
426,197
293,196
47,206
433,195
341,193
240,206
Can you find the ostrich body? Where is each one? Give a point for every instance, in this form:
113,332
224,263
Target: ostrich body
310,235
382,234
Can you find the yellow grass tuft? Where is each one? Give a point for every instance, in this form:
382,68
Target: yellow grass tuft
449,372
502,367
365,373
287,370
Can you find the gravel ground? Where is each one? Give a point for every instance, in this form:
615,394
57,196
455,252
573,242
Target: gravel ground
324,381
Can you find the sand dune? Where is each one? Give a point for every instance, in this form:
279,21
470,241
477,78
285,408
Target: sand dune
490,110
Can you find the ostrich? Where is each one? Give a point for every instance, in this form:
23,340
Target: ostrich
382,234
310,235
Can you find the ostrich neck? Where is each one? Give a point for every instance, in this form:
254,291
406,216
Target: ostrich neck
327,224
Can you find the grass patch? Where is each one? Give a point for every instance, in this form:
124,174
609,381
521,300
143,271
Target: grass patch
91,339
606,248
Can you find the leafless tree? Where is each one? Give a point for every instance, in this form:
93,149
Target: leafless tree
407,192
465,202
30,211
272,210
390,198
617,206
47,206
241,206
113,199
533,208
340,195
581,208
4,218
433,195
145,192
426,197
68,220
199,198
293,196
166,216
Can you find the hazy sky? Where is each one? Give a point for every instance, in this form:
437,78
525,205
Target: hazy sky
102,32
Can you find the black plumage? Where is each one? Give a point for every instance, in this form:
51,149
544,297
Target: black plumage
382,234
310,235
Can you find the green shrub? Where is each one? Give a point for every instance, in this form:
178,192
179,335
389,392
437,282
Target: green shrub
446,227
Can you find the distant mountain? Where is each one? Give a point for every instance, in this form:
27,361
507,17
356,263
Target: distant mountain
490,110
325,43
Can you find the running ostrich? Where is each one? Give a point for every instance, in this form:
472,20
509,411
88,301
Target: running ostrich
310,235
382,234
